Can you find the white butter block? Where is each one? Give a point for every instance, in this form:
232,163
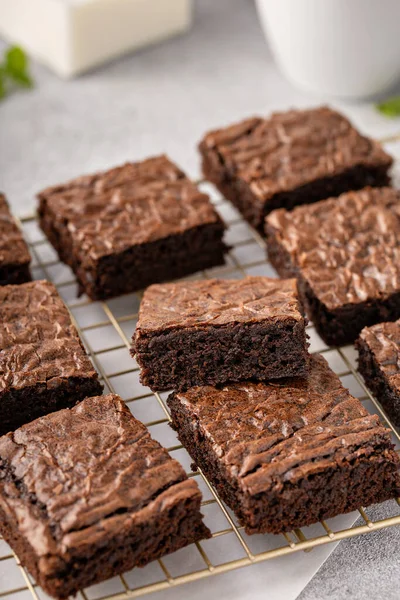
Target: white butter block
72,36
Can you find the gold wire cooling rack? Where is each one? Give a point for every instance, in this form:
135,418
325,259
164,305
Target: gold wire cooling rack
106,329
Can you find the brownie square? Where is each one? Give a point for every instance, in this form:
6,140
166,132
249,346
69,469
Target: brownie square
43,365
291,158
219,330
345,253
379,364
14,253
288,453
134,225
86,493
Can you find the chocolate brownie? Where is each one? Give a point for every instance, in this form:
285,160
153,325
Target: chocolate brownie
291,158
86,493
134,225
210,332
43,365
287,453
345,253
379,364
14,253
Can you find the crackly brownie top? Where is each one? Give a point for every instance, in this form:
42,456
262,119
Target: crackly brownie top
217,302
13,249
133,204
78,476
346,248
266,434
291,149
38,342
383,340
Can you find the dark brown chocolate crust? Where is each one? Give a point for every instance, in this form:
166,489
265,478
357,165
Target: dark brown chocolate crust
345,253
134,225
291,158
86,494
14,254
43,365
219,330
287,453
379,364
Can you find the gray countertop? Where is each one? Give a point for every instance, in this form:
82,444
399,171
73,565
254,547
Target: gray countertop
363,567
163,99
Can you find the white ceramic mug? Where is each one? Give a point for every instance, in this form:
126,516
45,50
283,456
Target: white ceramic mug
345,48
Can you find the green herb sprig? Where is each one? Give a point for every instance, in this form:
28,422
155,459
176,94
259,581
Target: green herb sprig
14,71
390,107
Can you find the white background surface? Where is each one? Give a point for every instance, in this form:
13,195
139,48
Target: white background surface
162,100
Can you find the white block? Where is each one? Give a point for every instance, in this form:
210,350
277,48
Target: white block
72,36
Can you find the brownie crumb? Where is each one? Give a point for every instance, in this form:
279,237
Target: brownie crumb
209,332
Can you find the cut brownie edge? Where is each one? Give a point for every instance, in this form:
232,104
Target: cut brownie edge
320,496
343,325
377,381
255,212
20,406
234,191
218,330
15,274
216,355
14,253
168,258
171,258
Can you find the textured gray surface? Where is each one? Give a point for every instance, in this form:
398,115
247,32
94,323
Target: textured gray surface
364,567
162,100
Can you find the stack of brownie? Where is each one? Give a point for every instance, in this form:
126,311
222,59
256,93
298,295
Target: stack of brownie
273,429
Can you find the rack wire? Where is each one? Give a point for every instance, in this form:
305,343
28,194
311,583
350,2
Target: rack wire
106,328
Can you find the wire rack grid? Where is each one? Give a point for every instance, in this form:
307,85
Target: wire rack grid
106,329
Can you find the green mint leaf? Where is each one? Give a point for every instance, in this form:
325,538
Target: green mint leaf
15,60
390,108
16,66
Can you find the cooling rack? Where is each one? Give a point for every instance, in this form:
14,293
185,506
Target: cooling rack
106,329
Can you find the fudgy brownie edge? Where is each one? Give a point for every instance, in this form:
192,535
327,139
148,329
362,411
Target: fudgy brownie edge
214,331
14,254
